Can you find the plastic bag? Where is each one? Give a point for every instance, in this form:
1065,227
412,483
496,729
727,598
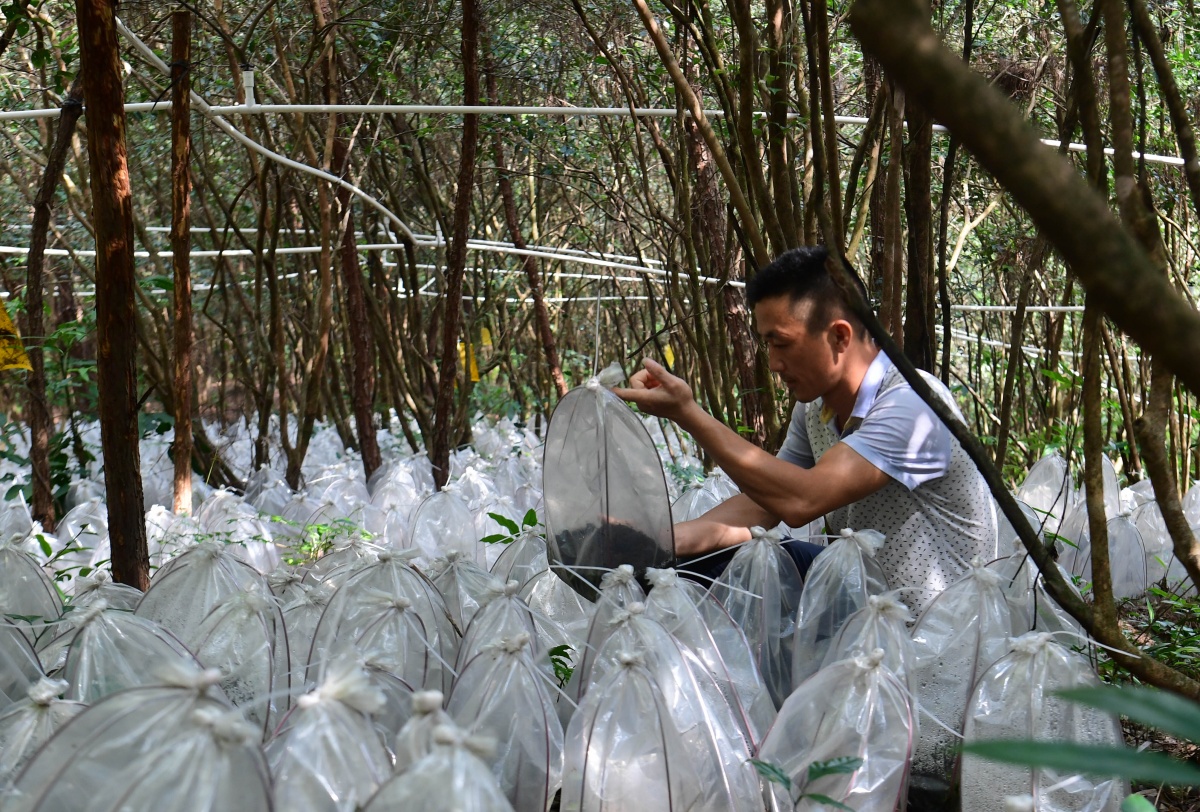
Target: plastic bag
415,739
392,615
700,624
244,637
522,558
618,591
562,614
709,733
100,586
226,515
301,616
622,751
1160,549
1048,491
693,503
187,588
20,668
451,777
856,709
463,584
960,634
838,585
104,650
29,723
27,596
605,494
761,590
502,694
881,625
1031,607
1015,699
329,757
443,523
502,616
176,746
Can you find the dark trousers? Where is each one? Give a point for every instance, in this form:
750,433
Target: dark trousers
710,567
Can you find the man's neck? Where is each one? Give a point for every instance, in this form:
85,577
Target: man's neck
842,397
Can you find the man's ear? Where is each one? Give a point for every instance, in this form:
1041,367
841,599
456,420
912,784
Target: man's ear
841,333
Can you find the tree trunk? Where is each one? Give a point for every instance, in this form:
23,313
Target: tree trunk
116,342
40,423
456,260
181,244
918,200
358,325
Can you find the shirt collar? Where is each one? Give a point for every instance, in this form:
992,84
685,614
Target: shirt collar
869,387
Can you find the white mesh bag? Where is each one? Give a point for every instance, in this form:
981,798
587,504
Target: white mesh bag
841,579
1015,699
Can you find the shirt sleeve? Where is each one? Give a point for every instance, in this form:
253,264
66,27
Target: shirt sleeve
901,436
796,448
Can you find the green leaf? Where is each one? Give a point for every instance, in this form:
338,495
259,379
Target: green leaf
531,518
843,765
1136,803
826,801
45,545
1103,762
505,522
498,538
1148,706
772,773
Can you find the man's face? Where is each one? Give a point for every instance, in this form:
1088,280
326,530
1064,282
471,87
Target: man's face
805,360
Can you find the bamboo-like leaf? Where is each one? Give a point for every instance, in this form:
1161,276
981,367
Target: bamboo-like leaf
1104,762
1148,706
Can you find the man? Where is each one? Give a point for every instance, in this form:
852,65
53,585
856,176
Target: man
862,450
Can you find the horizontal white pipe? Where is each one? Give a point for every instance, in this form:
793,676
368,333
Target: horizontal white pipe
1013,308
498,110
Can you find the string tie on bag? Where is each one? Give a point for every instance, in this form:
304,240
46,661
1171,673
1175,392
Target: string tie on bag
481,747
869,541
227,727
621,576
46,690
427,702
348,684
622,617
1030,643
763,534
91,583
1019,803
612,375
662,577
868,661
890,606
91,612
185,674
629,659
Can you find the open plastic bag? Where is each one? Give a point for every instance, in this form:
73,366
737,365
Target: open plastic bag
841,580
329,757
244,637
29,723
854,708
761,590
175,746
622,750
451,777
101,651
701,625
1015,699
604,489
881,625
958,636
187,588
502,694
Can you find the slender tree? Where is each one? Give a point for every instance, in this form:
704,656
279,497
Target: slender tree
181,244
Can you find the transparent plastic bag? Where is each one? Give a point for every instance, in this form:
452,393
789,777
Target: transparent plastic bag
414,740
1148,519
27,595
244,637
502,616
187,588
761,590
693,503
1127,560
881,625
618,591
301,616
100,586
174,746
329,757
959,635
623,752
442,524
838,585
82,537
502,694
29,723
701,625
854,708
102,651
392,615
451,777
711,737
20,668
1031,607
1015,699
562,614
604,489
463,585
1047,489
522,558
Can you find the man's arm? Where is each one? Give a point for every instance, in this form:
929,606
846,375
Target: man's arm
725,525
781,489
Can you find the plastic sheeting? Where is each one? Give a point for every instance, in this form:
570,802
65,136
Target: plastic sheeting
29,723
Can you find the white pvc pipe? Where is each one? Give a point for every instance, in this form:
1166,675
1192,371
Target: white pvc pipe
498,110
237,134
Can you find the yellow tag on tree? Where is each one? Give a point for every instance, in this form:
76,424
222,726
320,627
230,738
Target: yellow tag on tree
669,356
12,351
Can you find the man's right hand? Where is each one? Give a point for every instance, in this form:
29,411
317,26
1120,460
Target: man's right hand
656,391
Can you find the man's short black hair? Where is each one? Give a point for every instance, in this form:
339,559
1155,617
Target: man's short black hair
802,275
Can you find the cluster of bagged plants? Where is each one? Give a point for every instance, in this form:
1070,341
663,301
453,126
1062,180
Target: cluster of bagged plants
377,645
